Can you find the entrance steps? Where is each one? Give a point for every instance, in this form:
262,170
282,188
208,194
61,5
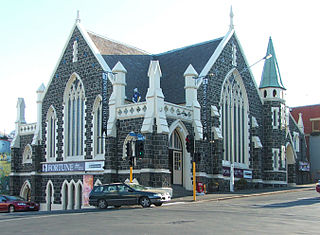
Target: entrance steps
180,191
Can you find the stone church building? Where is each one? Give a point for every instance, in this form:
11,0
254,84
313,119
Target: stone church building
88,113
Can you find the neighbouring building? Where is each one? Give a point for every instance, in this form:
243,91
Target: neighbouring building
90,111
5,162
308,118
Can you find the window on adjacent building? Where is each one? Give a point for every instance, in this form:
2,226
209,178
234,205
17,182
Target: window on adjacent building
51,134
74,117
234,120
99,138
315,125
27,154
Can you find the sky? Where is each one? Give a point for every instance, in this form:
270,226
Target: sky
34,33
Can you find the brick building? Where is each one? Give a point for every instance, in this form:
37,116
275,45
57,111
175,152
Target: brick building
87,114
308,119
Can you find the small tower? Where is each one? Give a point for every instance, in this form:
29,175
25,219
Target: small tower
274,116
271,86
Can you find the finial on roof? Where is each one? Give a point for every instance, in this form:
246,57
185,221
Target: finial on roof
78,17
300,123
231,18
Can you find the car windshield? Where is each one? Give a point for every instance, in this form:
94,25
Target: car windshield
15,198
137,187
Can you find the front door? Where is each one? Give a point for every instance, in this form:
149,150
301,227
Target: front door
177,167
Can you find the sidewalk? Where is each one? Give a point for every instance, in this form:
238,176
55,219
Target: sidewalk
218,196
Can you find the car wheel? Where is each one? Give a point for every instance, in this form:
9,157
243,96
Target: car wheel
158,204
102,204
11,209
145,202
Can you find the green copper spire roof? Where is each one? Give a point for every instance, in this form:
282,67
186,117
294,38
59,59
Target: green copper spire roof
271,73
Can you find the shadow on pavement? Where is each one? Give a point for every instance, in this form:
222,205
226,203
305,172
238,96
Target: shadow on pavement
301,202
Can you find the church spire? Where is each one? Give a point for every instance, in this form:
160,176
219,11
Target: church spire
231,18
271,73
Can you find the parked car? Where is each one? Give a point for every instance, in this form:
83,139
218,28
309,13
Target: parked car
318,187
16,203
118,194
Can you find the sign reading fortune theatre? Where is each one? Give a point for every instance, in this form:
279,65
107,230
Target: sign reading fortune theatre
63,167
73,166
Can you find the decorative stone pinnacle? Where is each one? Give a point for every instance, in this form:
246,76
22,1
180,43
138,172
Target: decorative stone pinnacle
231,19
78,17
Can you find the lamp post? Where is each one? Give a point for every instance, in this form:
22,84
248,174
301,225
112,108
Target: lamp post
231,107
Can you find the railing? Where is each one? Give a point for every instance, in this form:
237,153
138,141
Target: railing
177,111
135,110
26,129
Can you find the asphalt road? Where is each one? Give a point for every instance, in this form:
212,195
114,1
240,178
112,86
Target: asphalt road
285,213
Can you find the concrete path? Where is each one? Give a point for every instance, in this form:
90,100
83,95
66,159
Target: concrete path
243,193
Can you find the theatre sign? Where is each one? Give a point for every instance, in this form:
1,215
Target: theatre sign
72,166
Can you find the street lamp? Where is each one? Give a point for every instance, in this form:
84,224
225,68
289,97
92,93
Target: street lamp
231,157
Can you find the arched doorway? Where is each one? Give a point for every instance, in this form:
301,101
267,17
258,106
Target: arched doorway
291,170
78,196
64,194
176,158
49,195
71,196
26,191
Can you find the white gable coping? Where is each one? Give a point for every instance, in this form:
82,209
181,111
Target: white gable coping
215,56
91,45
217,53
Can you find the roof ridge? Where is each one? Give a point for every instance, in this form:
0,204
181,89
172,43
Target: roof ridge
304,106
185,47
118,42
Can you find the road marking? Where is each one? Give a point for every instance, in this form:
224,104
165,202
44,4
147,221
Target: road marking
39,217
309,198
173,203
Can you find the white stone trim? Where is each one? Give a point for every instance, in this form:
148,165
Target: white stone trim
25,185
214,111
215,56
257,142
27,152
187,166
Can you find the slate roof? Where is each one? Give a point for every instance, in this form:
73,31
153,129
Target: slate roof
271,73
172,63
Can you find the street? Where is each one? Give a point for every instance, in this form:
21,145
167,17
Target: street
283,213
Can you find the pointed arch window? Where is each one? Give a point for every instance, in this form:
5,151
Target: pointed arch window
99,137
51,134
27,154
175,141
74,117
234,121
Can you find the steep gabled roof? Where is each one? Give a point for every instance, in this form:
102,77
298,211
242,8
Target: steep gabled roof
271,73
172,63
108,46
